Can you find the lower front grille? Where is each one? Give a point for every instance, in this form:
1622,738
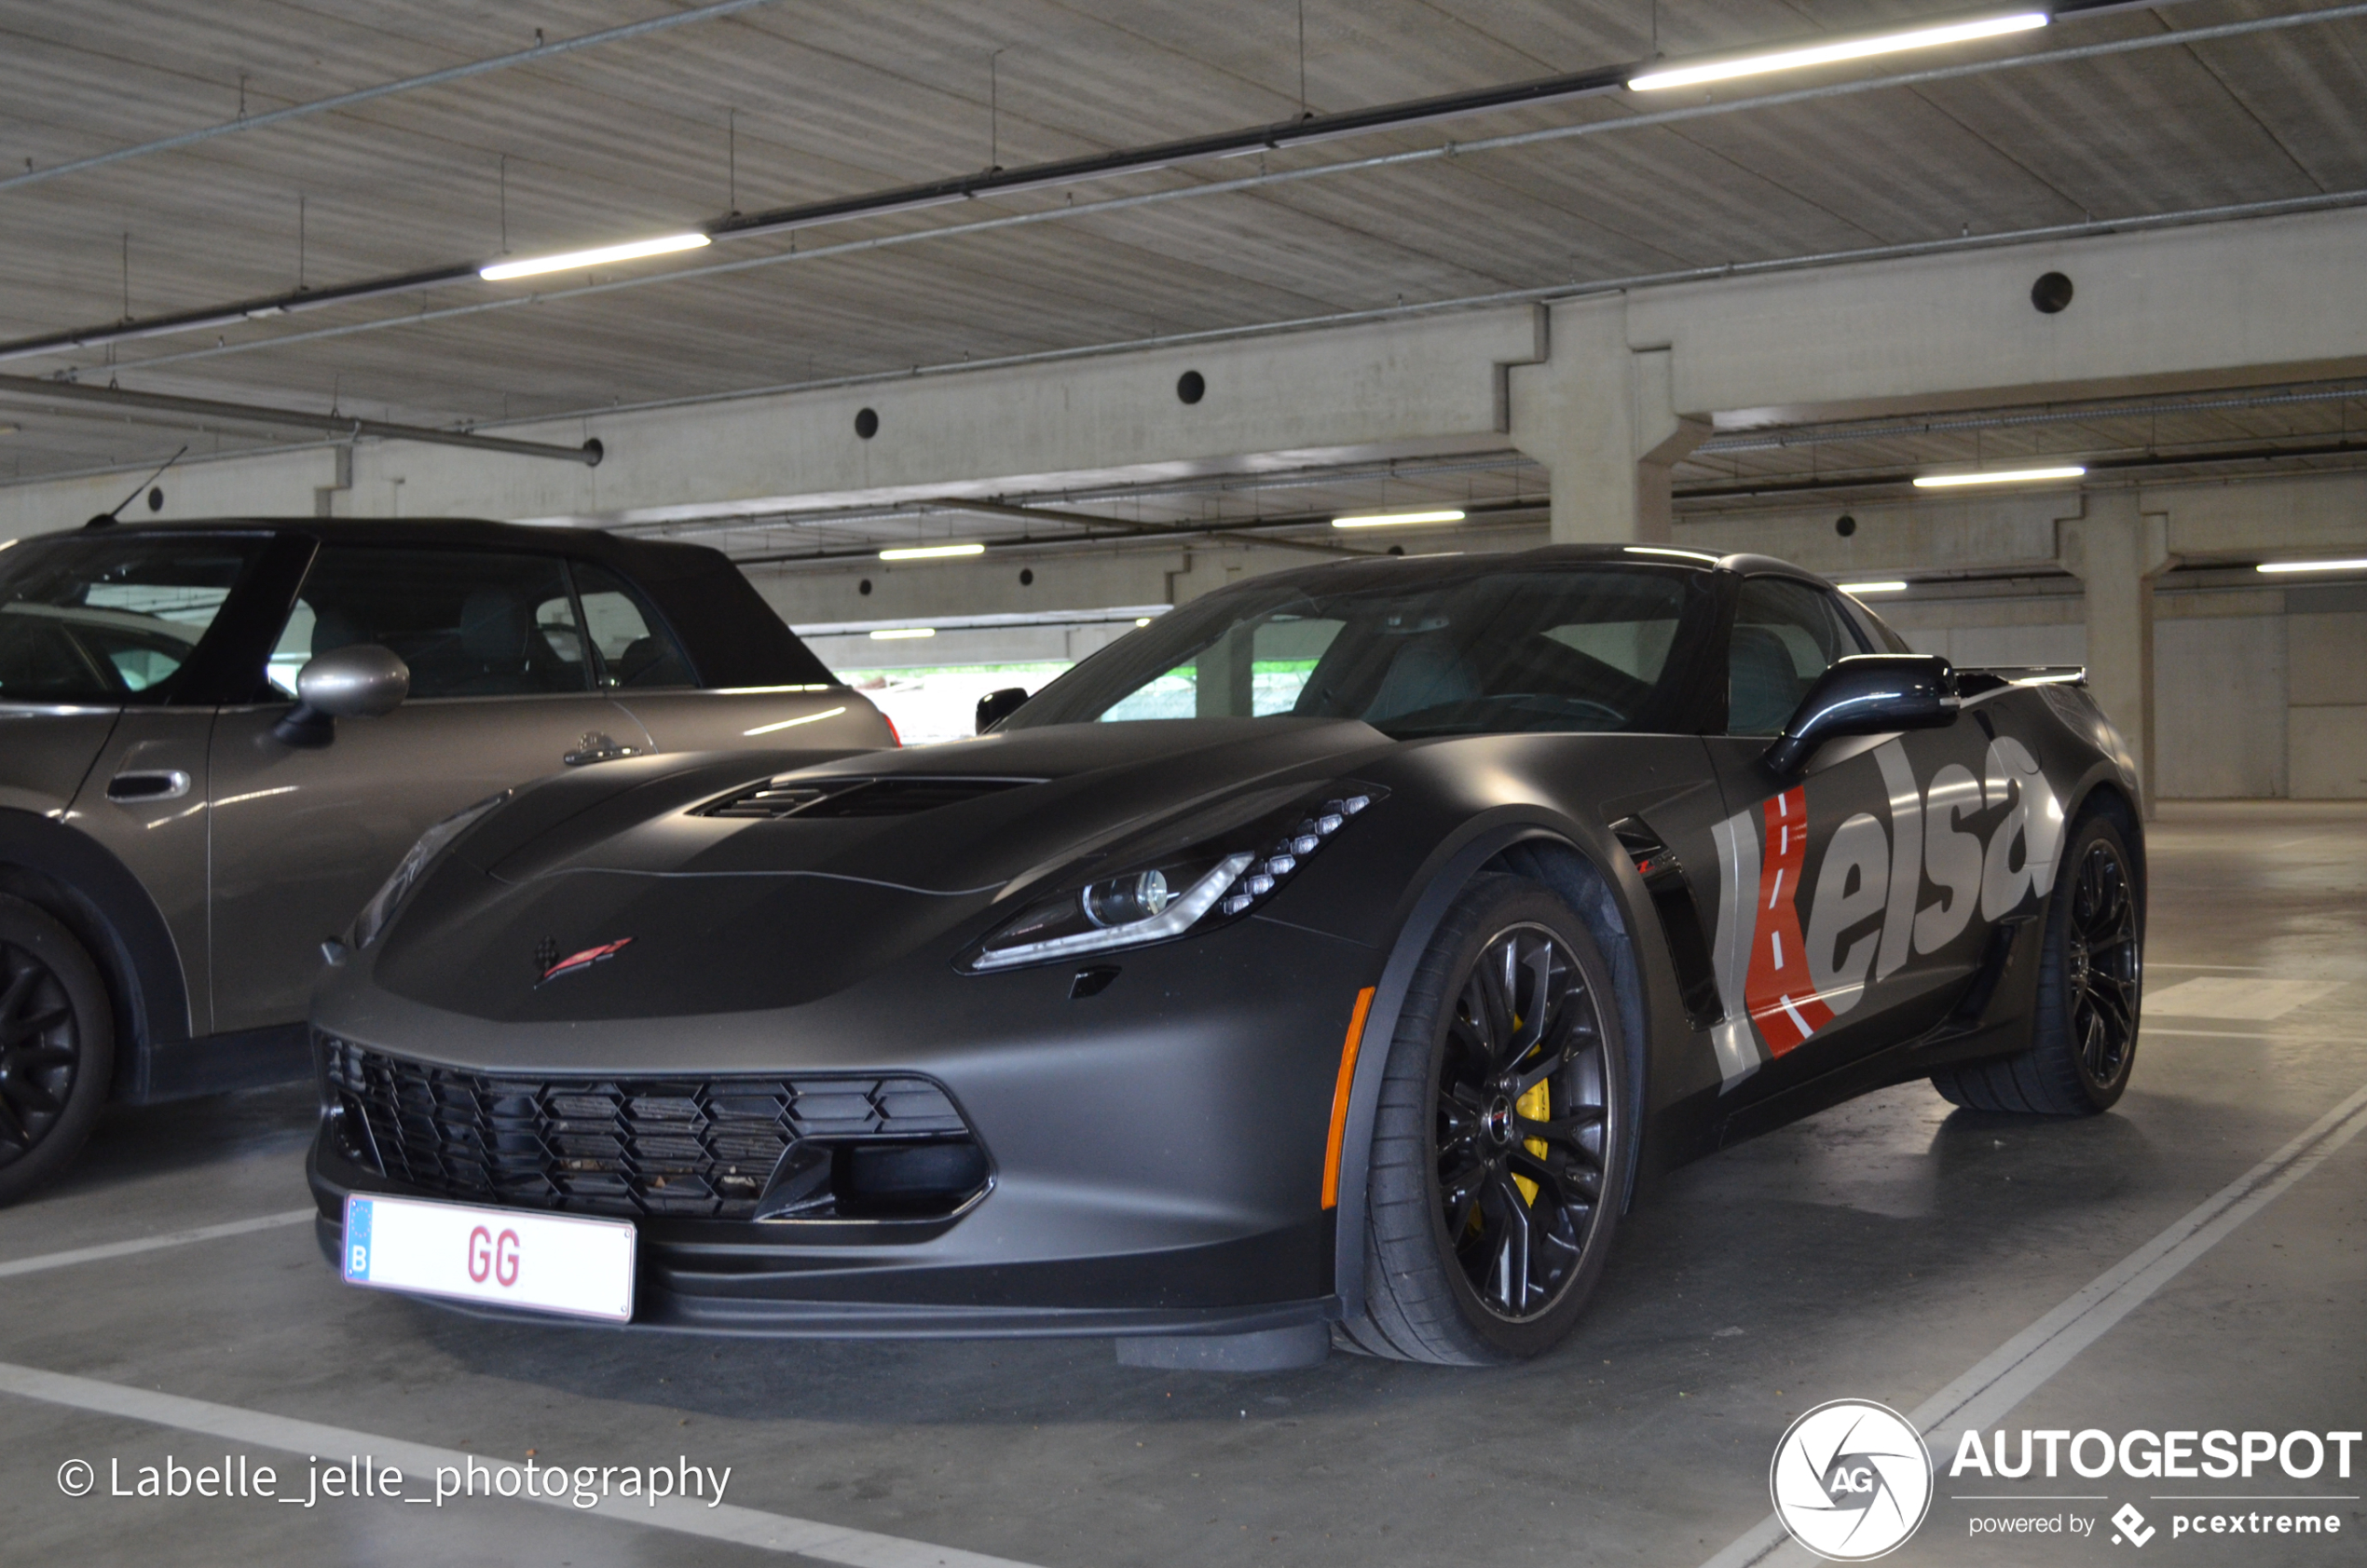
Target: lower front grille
694,1148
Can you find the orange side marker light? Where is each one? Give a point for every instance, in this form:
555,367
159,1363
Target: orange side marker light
1339,1097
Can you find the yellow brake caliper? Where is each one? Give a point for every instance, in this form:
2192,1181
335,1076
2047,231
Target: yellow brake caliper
1535,1106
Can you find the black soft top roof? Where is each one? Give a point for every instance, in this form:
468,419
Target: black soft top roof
733,636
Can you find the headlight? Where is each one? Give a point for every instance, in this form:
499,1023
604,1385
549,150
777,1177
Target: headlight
1164,895
389,898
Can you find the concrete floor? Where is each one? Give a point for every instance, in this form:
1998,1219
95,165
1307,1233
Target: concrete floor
1878,1251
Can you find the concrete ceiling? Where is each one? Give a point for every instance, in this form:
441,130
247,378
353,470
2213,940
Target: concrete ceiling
838,99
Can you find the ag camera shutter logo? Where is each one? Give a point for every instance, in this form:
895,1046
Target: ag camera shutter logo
1851,1480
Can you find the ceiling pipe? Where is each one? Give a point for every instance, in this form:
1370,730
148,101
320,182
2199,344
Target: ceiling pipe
1101,166
1105,530
25,388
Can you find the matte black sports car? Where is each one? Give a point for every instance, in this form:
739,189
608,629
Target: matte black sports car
1332,961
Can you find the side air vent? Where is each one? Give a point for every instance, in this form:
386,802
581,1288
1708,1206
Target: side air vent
776,799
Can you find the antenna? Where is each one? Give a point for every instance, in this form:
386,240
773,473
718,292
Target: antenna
107,519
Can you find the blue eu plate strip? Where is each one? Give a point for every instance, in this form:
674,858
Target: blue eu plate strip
357,1239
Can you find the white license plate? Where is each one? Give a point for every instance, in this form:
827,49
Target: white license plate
543,1263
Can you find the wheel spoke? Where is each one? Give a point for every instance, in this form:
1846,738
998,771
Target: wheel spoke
12,1131
13,998
27,1094
1513,1257
1561,1129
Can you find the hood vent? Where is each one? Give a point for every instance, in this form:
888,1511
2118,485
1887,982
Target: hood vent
776,799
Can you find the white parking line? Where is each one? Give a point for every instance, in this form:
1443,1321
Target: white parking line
418,1462
150,1244
2017,1369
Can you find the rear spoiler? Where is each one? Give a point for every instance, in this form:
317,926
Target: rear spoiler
1972,681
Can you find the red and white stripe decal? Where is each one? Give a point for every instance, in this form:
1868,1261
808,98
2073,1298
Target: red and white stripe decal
1781,997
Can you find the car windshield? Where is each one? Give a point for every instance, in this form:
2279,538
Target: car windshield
107,621
1465,651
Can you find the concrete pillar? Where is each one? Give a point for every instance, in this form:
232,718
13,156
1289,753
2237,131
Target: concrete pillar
2117,551
1601,417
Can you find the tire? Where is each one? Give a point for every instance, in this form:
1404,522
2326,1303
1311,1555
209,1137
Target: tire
1456,1103
57,1046
2083,1024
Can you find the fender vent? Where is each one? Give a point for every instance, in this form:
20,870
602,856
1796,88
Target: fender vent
776,799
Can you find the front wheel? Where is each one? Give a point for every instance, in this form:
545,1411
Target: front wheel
1500,1147
57,1043
2084,1028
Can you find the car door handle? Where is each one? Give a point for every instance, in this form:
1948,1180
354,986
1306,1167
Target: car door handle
153,783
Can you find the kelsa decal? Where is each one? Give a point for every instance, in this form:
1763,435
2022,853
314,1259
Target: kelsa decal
1782,979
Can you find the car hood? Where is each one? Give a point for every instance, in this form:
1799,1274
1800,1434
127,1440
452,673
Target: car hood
879,855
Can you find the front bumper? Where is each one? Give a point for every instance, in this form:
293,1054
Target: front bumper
1156,1148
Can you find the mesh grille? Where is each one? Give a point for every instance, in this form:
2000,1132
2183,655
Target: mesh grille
689,1148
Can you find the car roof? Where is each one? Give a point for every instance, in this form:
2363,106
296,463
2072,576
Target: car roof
643,557
1379,569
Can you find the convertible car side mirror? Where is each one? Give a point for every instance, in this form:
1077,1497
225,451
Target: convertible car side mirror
361,680
1866,694
997,706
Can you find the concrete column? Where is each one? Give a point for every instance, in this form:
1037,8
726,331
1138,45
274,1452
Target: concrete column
2117,551
1601,417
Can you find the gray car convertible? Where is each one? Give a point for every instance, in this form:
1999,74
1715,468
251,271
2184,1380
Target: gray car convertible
1332,960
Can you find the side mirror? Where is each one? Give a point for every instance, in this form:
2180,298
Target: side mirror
997,706
1867,694
360,681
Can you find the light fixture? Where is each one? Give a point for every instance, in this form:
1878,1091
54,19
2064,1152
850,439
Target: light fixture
1396,519
1996,476
1139,620
899,634
1858,588
931,551
2359,566
793,723
1665,549
528,266
1753,63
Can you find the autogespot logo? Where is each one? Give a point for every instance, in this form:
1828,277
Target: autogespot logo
1851,1480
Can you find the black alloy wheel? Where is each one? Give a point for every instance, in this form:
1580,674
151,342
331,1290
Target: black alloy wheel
2101,967
1501,1141
1521,1123
2083,1033
55,1023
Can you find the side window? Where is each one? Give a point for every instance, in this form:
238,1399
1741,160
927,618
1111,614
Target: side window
470,624
632,649
108,621
1787,633
1253,671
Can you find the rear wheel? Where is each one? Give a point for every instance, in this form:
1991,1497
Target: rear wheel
1499,1153
57,1042
2084,1032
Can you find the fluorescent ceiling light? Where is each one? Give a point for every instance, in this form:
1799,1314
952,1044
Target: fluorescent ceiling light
896,634
2314,566
528,266
1754,62
1873,588
1995,476
1396,519
1139,620
1664,550
931,551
